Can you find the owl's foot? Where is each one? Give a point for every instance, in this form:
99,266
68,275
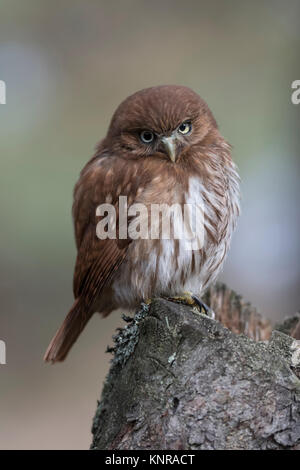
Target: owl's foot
190,299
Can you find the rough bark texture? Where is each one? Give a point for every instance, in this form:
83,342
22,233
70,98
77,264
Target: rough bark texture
182,380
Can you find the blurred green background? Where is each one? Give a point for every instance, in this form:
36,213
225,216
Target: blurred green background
67,65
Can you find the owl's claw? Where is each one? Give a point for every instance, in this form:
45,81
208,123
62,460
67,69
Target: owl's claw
202,306
190,299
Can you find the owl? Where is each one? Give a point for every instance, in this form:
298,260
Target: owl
163,148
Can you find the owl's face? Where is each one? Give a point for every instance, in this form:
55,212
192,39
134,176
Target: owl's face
160,122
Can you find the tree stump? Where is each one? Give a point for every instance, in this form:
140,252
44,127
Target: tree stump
182,380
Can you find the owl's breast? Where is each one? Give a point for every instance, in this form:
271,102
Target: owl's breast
187,240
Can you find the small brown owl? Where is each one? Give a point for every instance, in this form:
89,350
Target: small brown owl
163,148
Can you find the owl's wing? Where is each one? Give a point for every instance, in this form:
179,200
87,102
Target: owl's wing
101,181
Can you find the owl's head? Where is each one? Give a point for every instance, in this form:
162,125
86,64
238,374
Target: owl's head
162,122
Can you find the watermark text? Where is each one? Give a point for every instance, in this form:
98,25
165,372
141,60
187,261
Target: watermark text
2,92
2,352
152,222
296,94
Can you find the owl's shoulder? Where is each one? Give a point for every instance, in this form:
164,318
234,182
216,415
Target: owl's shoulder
103,180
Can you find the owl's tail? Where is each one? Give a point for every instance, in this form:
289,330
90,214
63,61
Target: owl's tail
68,333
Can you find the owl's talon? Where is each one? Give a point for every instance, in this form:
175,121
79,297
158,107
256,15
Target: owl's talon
193,301
202,306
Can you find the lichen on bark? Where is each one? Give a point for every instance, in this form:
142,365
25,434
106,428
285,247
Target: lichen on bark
182,380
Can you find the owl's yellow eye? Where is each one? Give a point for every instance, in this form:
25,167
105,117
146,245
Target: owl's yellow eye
185,128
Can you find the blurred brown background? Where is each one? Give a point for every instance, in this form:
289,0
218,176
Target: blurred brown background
67,65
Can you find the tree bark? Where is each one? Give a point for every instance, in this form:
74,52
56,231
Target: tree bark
182,380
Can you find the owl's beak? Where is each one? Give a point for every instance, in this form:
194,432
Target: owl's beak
170,147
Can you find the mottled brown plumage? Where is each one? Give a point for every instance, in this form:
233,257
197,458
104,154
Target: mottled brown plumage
188,161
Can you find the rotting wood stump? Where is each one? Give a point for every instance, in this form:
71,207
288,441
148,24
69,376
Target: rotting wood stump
182,380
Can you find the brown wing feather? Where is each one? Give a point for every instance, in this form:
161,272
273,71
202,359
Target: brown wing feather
96,277
90,280
97,260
